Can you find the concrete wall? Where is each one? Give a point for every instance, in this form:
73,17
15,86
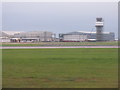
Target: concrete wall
74,37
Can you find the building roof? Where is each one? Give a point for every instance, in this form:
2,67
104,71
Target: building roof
34,32
86,32
11,32
92,32
2,34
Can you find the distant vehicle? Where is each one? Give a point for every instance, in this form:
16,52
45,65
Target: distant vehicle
91,40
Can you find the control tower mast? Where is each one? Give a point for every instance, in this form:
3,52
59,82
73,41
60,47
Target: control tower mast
99,29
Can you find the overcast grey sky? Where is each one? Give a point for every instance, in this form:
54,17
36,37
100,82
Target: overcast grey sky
59,17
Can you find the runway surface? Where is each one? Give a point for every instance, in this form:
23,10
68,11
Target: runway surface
25,47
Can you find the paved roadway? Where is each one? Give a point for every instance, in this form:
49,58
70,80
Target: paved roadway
26,47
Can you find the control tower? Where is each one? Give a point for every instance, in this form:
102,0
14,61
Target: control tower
99,29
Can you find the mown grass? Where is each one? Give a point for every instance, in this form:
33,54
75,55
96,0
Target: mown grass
113,43
60,68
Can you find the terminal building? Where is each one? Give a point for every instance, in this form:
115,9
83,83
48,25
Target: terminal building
79,36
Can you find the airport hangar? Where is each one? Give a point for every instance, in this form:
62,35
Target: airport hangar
79,36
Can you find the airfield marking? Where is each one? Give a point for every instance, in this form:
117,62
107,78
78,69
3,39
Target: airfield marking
59,47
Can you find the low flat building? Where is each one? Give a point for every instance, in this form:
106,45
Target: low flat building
36,36
79,36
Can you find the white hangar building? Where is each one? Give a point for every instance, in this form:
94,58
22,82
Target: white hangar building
35,36
79,36
5,36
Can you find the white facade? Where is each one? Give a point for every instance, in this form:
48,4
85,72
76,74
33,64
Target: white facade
4,39
33,36
84,36
74,37
5,36
99,24
36,35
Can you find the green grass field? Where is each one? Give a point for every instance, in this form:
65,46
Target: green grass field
112,43
60,68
